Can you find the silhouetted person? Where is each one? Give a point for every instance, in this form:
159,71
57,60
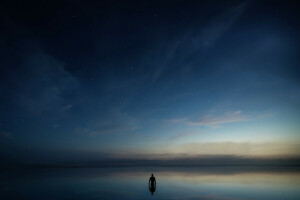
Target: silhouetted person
152,184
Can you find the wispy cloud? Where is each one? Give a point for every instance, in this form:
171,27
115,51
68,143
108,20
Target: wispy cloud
239,148
221,24
115,122
177,120
44,84
214,121
6,134
195,39
183,135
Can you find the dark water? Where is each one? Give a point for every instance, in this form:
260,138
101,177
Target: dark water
132,183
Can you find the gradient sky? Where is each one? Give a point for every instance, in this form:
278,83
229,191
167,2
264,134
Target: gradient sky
91,79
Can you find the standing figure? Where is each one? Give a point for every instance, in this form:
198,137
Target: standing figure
152,184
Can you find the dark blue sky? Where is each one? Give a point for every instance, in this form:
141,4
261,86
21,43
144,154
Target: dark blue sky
94,79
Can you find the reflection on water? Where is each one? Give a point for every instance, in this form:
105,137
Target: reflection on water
152,189
134,183
152,184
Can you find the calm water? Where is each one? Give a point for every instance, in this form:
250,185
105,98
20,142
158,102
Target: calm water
132,183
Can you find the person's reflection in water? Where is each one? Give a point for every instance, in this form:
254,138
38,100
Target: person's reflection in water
152,184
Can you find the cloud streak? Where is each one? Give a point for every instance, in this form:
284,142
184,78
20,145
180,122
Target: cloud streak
115,122
214,121
221,24
238,148
6,134
44,85
194,39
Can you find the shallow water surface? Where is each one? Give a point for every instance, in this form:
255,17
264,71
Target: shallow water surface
132,183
